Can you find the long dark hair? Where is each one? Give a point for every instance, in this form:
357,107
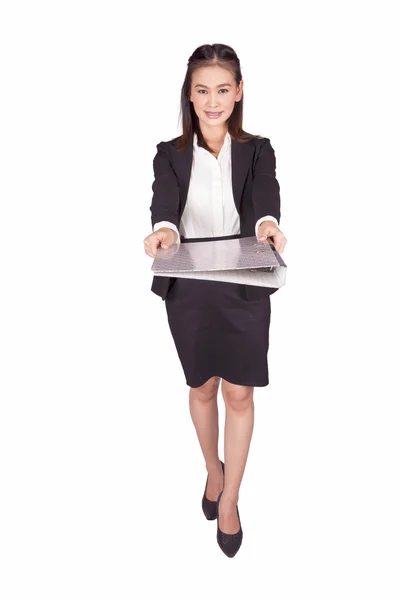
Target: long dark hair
206,56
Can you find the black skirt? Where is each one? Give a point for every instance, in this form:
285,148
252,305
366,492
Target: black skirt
217,331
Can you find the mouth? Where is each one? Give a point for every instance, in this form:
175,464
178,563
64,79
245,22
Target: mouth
213,115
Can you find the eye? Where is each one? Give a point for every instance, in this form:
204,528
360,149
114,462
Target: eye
222,90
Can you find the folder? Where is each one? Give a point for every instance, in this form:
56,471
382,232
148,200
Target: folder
241,260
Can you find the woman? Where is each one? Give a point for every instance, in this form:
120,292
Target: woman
214,182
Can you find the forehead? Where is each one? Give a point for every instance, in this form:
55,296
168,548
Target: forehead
212,76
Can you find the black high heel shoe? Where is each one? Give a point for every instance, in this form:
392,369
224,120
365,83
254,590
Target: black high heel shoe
210,506
229,542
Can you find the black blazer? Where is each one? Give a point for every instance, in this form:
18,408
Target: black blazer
254,185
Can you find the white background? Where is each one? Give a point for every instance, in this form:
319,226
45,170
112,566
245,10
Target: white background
101,471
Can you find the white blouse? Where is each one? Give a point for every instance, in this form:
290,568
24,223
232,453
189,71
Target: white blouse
210,209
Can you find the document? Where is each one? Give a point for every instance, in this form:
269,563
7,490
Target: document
240,260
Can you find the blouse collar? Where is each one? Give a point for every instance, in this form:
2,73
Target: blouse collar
225,145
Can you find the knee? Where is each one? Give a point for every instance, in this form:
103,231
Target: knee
237,397
208,391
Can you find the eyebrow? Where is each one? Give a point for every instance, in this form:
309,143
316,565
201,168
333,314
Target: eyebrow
204,86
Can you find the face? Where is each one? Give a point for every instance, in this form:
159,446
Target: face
214,90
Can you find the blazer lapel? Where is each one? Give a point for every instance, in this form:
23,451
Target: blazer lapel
241,160
184,168
242,157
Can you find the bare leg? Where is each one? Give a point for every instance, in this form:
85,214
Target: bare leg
239,423
204,412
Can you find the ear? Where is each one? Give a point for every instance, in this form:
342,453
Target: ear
239,92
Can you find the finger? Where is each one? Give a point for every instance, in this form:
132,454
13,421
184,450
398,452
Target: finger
280,247
281,243
276,243
263,237
267,232
156,244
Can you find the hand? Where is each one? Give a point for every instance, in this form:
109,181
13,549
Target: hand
270,229
163,237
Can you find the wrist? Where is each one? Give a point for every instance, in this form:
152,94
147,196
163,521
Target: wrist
173,231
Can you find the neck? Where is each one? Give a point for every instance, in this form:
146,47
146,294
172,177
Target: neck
213,135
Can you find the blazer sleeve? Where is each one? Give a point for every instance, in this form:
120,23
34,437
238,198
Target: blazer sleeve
165,201
266,190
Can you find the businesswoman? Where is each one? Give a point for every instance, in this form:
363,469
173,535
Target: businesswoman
215,182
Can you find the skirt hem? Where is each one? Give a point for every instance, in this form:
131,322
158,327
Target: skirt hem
229,380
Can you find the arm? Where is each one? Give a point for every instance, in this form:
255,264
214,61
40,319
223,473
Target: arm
165,202
266,196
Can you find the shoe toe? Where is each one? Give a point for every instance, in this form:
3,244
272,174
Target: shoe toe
229,543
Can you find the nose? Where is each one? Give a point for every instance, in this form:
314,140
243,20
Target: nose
212,101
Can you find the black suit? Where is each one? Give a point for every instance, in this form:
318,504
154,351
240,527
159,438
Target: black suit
254,185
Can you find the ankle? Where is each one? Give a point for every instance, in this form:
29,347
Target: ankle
214,466
230,497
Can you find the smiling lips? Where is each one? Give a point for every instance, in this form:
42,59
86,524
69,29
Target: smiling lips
213,115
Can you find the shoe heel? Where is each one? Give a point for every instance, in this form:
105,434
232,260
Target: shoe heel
210,506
